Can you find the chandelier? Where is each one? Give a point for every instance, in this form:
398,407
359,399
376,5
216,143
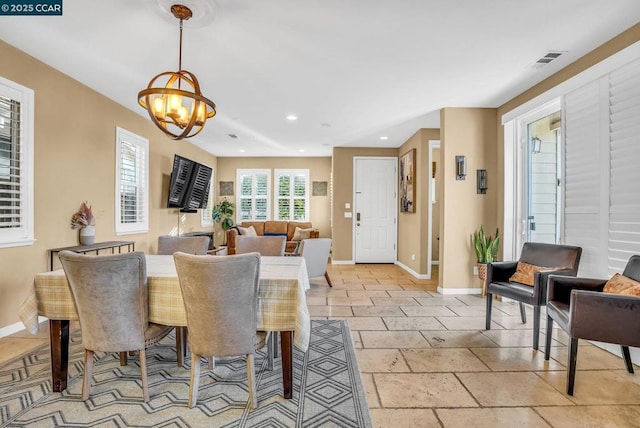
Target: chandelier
177,106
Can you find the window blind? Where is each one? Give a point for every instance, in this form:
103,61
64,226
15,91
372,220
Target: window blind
10,164
132,183
253,195
292,196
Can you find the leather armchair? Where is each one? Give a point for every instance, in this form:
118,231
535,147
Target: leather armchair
581,309
534,253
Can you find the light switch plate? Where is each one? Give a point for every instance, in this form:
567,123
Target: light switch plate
347,206
348,214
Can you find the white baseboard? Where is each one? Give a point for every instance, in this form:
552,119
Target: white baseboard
412,272
342,262
444,291
14,328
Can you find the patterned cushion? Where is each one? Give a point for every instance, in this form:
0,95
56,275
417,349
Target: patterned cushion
620,284
301,234
526,272
247,231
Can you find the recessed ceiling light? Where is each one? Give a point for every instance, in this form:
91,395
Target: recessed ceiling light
242,150
301,150
384,138
292,117
325,125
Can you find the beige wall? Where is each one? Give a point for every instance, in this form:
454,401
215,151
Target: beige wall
413,227
319,170
74,161
470,132
342,167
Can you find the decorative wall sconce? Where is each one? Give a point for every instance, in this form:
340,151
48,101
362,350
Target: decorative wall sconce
535,145
461,167
481,176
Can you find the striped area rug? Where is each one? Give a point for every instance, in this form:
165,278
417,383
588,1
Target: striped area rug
328,391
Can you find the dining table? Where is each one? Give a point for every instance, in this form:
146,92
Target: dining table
282,308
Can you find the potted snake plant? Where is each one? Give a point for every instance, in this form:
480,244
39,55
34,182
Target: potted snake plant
486,248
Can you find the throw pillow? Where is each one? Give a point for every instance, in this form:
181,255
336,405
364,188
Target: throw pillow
620,284
526,272
247,231
300,234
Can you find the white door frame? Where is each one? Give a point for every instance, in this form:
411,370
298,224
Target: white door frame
353,198
433,144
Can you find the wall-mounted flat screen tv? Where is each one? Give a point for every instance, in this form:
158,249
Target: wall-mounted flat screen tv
190,184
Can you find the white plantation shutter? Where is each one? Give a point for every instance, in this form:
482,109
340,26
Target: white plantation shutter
582,190
291,197
254,193
624,136
132,183
205,213
16,164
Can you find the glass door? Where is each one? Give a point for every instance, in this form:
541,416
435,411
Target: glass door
542,205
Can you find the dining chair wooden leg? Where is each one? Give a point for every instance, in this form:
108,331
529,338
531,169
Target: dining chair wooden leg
195,379
181,344
326,276
123,358
276,348
142,355
251,382
627,358
88,374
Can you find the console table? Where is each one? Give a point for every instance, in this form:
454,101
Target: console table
131,246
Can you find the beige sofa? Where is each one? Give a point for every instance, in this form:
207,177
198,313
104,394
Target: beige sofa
270,228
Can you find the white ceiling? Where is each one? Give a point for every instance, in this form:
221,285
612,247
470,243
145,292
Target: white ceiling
366,68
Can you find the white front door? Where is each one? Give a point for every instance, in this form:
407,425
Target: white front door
375,209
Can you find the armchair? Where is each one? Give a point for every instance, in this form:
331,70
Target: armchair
584,311
564,260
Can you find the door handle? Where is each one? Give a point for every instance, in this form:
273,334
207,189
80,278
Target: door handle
357,216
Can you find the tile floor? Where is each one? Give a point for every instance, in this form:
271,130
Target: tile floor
426,360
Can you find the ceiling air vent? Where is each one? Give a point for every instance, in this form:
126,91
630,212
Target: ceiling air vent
547,58
232,136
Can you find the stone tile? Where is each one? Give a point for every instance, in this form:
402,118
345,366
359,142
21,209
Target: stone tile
421,390
326,292
465,323
348,301
439,301
381,361
511,389
412,323
427,311
591,416
492,417
316,300
472,300
374,287
515,359
458,339
366,293
443,360
403,418
597,387
589,357
15,346
366,323
355,339
408,293
368,311
514,338
330,311
394,301
471,311
349,286
370,390
393,339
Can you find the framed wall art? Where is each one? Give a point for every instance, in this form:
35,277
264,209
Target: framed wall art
407,182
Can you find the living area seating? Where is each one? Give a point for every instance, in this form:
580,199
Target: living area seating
168,245
274,228
265,245
586,309
316,255
525,280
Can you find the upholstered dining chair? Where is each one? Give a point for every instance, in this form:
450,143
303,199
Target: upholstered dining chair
110,294
586,309
168,245
316,254
221,301
265,245
525,280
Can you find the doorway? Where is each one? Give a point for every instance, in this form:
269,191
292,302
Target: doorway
433,216
375,209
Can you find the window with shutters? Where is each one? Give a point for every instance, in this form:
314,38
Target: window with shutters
16,164
254,192
291,198
205,213
132,183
